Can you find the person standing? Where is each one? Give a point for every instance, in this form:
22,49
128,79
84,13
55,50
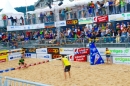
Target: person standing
108,55
66,65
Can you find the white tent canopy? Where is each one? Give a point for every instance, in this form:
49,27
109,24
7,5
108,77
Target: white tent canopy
66,3
10,11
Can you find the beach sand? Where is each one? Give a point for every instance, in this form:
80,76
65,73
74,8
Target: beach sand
82,73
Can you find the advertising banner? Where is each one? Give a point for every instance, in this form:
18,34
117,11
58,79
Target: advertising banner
80,58
3,56
15,51
127,16
55,56
53,50
71,57
117,17
66,50
121,60
95,57
72,22
85,20
50,25
116,51
42,50
82,51
60,23
100,19
30,55
25,27
14,57
44,56
30,50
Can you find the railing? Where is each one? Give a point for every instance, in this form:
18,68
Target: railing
69,42
71,14
34,20
1,80
18,82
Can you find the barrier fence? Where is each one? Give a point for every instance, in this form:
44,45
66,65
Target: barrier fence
68,42
18,82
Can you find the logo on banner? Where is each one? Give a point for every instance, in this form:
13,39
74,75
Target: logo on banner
53,50
95,57
30,50
80,58
82,51
101,19
72,22
47,56
54,56
42,50
2,60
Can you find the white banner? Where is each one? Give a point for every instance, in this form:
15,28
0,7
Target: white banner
44,56
60,23
15,51
30,55
42,50
116,51
14,57
121,60
117,17
25,27
66,50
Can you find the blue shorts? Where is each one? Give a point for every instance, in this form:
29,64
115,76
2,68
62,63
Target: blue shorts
108,56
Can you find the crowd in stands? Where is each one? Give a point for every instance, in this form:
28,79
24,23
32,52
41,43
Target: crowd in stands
105,33
105,7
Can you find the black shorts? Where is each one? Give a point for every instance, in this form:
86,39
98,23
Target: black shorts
67,68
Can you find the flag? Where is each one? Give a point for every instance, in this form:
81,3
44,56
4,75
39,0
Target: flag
95,57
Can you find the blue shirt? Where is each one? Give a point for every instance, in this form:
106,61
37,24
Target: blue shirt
110,3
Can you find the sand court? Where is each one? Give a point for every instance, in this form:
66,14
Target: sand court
83,74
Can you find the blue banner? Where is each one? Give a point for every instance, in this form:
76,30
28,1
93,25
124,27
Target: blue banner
95,57
50,25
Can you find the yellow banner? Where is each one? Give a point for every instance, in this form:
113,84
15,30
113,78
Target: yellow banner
3,56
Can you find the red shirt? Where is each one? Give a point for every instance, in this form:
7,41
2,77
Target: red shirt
4,37
78,33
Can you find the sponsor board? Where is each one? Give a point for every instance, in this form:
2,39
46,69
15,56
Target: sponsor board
30,50
44,56
42,50
14,57
85,20
121,60
66,50
80,58
55,56
53,50
3,56
60,23
72,22
116,51
82,51
100,19
71,57
15,51
30,55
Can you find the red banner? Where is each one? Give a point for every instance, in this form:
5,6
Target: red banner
80,58
82,51
2,60
100,19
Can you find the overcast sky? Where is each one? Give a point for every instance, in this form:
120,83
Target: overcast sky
17,3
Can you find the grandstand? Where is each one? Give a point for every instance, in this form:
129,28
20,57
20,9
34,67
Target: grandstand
66,30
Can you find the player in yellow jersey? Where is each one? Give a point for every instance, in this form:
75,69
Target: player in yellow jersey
66,65
108,55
